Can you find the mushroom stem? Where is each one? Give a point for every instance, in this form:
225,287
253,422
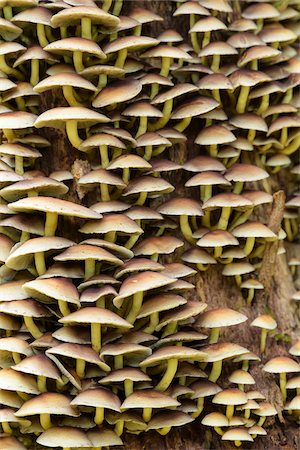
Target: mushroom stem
77,60
119,427
165,66
39,260
238,279
186,229
141,199
237,443
291,148
42,383
171,328
215,63
206,39
7,12
162,121
238,187
154,321
117,7
9,134
4,67
215,371
104,192
131,241
104,156
72,132
136,305
80,367
137,31
99,416
45,421
250,242
261,421
250,296
128,387
35,68
229,411
41,35
51,223
147,413
213,150
251,135
102,81
168,375
264,104
242,99
163,431
218,252
122,55
89,268
214,335
110,236
119,362
19,169
282,382
224,218
284,136
194,41
86,28
24,236
69,96
200,406
6,428
143,126
181,126
63,307
32,328
16,357
96,336
106,5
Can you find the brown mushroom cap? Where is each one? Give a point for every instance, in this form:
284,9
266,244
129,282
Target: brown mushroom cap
220,317
148,399
62,436
281,364
74,15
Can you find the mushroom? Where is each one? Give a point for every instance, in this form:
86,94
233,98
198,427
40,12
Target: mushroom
203,389
163,422
230,398
148,399
281,365
238,435
99,398
128,376
62,436
266,323
216,420
241,377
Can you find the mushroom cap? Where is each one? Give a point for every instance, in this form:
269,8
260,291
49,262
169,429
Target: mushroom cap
62,436
99,398
247,77
223,350
257,52
295,349
169,419
120,223
241,377
138,265
265,410
181,206
64,79
210,23
253,229
148,398
16,120
194,107
166,51
74,15
131,43
215,419
230,397
160,302
96,140
214,134
120,91
220,317
172,352
217,238
174,92
78,351
217,48
103,438
228,199
57,117
25,308
75,44
38,365
260,11
99,176
15,344
96,315
11,443
214,81
237,434
47,289
152,185
249,121
12,290
203,164
198,256
128,373
264,321
238,268
281,364
48,186
204,388
14,149
21,256
181,313
54,205
245,172
11,380
159,245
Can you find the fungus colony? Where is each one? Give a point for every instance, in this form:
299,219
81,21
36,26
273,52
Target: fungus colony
103,337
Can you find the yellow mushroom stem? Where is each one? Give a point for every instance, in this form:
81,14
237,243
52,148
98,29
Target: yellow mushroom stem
72,133
242,99
261,421
219,431
141,198
104,156
86,28
16,357
78,61
214,335
4,67
264,104
137,31
119,362
117,7
7,12
165,66
238,279
171,328
245,365
238,187
131,241
80,367
32,328
251,135
128,387
241,218
122,55
186,229
241,387
291,148
169,374
183,124
19,169
237,443
89,268
216,95
96,336
282,383
106,5
284,136
51,223
21,105
35,72
250,296
154,321
41,35
263,339
163,431
23,396
99,416
142,126
69,95
6,428
250,242
224,218
63,307
147,413
200,406
215,63
104,192
110,236
119,427
194,41
288,229
39,260
9,134
206,38
137,301
45,420
215,371
162,121
229,411
206,219
42,383
154,257
218,252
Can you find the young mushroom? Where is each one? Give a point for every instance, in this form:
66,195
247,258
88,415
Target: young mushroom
266,323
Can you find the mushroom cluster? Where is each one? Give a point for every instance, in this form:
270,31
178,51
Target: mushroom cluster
104,334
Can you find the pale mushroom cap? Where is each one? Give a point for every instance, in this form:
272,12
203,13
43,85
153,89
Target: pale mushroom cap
11,443
195,107
96,315
38,365
245,172
181,206
294,404
220,317
112,222
169,419
152,185
128,373
214,134
62,436
227,199
54,205
253,229
174,92
239,268
230,397
64,79
148,399
17,119
103,437
281,364
15,344
76,13
215,419
160,302
204,163
204,388
265,410
40,184
182,313
217,238
138,265
11,380
166,51
56,117
241,377
249,121
78,351
11,148
101,139
264,321
75,44
172,352
142,109
295,349
46,289
160,245
99,176
260,11
237,434
49,403
12,290
28,308
98,397
120,91
224,350
197,255
130,43
210,23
